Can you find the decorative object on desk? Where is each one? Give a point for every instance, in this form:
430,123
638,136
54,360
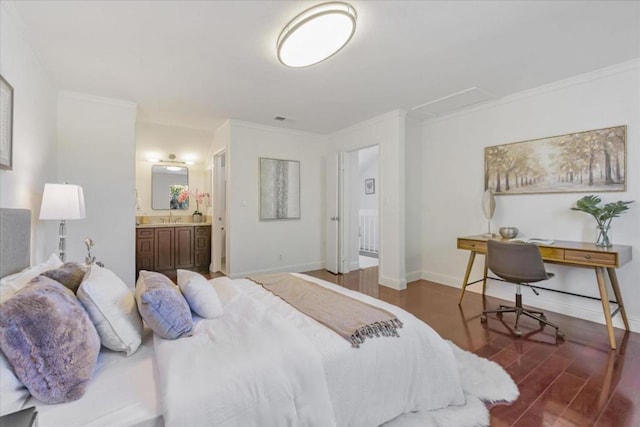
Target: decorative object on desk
197,215
488,209
6,124
589,161
603,215
508,232
370,186
62,202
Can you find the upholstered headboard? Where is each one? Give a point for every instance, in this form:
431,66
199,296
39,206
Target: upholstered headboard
15,240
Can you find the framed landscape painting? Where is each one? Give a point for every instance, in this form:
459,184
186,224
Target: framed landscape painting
589,161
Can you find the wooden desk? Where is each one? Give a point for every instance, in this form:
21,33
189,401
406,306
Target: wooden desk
575,254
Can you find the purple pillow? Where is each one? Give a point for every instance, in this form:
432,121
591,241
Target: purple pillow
162,306
69,274
49,341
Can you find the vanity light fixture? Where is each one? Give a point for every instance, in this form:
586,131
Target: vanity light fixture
316,34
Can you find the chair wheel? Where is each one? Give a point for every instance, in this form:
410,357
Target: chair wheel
543,317
517,332
483,319
560,335
542,324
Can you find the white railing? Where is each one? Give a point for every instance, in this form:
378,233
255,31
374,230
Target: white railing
368,230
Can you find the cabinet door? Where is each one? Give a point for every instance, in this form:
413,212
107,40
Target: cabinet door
164,249
144,250
203,247
184,247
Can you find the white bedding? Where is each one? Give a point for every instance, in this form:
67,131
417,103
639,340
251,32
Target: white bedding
122,392
263,363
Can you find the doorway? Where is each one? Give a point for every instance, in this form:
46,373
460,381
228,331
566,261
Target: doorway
219,185
352,210
365,235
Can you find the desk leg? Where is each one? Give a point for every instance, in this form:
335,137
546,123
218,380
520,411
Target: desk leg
472,257
616,290
604,297
486,271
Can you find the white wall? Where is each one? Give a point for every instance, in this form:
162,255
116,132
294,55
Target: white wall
198,141
452,178
388,132
34,130
414,202
261,246
96,149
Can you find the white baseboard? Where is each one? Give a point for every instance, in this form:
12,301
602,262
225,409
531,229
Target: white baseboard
392,283
581,308
412,276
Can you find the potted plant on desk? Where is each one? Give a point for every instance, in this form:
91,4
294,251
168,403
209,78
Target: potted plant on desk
197,215
603,215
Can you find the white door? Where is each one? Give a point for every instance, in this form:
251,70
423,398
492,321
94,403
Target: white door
335,212
218,249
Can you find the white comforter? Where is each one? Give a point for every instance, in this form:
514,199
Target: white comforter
265,364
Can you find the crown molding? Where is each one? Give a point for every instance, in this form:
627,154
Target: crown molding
98,99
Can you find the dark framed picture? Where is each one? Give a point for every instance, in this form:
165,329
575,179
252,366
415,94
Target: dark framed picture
370,186
6,124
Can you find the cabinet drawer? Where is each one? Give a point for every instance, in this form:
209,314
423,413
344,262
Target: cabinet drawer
145,233
203,230
472,245
591,258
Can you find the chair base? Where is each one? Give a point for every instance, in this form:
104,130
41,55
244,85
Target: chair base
519,310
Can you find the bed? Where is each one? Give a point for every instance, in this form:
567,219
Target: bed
261,363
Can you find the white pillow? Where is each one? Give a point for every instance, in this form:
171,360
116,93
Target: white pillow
17,281
200,294
112,309
14,393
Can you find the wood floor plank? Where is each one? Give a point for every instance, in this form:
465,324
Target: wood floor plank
575,383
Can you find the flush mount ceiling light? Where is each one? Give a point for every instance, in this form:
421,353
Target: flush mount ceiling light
316,34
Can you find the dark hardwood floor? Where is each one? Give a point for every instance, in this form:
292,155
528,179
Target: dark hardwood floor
578,382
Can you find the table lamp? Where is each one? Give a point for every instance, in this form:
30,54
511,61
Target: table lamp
62,202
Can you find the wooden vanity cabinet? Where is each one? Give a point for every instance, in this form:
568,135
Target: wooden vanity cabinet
166,249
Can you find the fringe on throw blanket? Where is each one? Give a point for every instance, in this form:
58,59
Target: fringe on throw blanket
388,328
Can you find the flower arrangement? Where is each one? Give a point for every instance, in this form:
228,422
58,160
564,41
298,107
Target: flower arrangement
199,200
179,196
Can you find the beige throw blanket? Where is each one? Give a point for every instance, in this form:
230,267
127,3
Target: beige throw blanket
351,319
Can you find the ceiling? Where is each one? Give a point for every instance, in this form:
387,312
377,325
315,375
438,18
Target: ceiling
199,63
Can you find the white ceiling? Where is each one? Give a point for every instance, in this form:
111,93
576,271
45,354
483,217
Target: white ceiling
198,63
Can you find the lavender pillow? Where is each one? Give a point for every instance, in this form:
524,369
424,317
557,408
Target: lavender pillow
70,275
162,306
49,341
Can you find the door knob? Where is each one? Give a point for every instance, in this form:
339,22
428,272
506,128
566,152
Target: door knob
335,218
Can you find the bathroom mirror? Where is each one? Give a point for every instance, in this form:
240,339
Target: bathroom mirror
169,187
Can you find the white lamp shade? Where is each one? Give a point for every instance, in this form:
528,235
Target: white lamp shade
62,201
316,34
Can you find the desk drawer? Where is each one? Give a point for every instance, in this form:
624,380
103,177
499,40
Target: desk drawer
551,254
590,258
472,245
